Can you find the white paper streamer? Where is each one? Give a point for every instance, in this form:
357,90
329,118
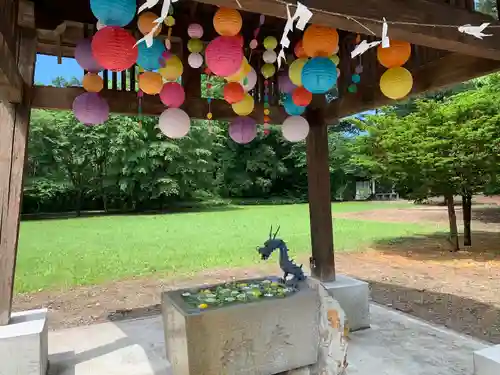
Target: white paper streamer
148,39
302,15
363,47
476,31
385,37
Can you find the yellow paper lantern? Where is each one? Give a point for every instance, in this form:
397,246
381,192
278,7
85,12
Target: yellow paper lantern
241,73
195,46
170,21
173,69
335,59
93,82
268,70
244,107
227,22
396,83
146,23
270,42
150,83
295,71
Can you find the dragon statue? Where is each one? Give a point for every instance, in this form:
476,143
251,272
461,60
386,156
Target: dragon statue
286,264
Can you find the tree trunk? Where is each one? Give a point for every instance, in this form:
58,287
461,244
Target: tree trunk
467,213
78,202
452,217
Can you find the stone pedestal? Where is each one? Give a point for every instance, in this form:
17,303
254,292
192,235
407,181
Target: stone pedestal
23,344
265,337
353,296
487,361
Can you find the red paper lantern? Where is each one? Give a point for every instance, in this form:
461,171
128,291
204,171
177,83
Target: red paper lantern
233,92
113,48
301,97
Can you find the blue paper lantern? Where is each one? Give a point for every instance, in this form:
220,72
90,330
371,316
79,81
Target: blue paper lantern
151,58
319,75
114,12
291,108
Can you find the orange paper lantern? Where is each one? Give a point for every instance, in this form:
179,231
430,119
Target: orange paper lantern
396,55
320,41
227,22
233,92
92,82
299,50
151,83
301,97
146,23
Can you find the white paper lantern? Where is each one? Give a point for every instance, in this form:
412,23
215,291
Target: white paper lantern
195,60
269,56
174,123
295,128
249,81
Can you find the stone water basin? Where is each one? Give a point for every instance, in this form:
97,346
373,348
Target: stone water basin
261,335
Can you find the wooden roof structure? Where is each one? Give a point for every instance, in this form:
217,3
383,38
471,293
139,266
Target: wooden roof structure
441,56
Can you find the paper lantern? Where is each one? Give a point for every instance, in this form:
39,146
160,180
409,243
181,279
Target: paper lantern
195,45
243,130
396,83
233,92
146,23
295,71
396,55
85,58
151,83
90,109
173,68
174,123
114,12
113,48
172,94
301,97
335,59
285,84
250,80
195,30
319,75
320,41
241,73
269,56
227,21
295,128
299,50
270,43
291,108
224,55
92,82
195,60
150,58
244,107
268,70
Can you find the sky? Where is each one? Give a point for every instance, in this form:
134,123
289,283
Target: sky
47,69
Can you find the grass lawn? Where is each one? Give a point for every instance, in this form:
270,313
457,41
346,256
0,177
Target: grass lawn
64,253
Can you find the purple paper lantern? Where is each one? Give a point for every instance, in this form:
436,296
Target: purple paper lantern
243,130
85,58
285,85
90,109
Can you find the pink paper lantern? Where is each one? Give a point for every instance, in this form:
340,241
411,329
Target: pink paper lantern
85,58
243,130
224,55
172,95
90,109
195,31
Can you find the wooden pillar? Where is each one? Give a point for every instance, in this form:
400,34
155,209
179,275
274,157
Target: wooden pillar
320,212
14,124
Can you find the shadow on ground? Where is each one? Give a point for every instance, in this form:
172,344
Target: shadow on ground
488,215
460,314
485,247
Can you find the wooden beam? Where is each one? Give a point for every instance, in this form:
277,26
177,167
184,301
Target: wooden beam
334,14
14,123
320,208
125,102
11,83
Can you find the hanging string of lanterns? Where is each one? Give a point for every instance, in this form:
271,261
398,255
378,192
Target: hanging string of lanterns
396,82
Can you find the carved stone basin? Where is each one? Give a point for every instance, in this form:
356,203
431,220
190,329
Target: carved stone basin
262,337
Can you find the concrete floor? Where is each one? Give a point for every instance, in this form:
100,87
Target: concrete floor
395,345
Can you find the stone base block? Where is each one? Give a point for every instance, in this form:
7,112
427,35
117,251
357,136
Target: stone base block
23,344
487,361
353,296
